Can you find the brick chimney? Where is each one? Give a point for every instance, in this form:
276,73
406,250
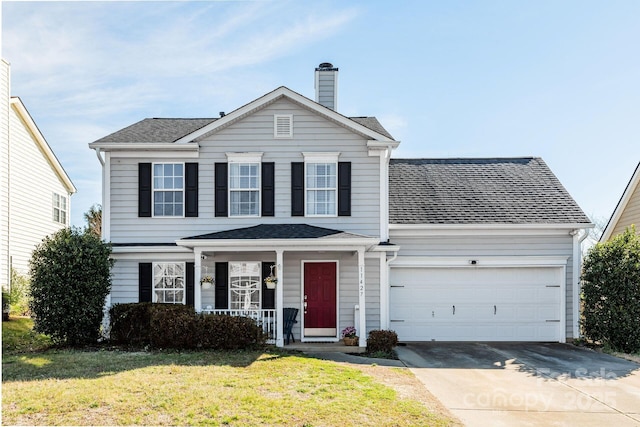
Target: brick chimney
327,85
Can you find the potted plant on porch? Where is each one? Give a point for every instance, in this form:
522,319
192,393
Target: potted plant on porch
271,280
207,281
349,336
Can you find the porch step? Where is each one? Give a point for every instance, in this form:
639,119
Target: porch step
322,347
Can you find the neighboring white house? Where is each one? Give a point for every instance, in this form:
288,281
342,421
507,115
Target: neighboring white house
35,190
476,249
627,211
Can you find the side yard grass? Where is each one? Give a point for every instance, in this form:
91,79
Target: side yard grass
109,387
18,337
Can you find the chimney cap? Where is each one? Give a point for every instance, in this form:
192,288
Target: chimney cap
326,66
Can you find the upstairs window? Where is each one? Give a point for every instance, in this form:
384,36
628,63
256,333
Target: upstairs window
60,210
168,189
244,189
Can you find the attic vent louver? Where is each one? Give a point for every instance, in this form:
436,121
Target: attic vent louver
283,125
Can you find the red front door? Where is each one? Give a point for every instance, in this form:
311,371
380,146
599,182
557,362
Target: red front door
320,299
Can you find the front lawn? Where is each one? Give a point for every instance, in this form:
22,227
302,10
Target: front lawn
71,387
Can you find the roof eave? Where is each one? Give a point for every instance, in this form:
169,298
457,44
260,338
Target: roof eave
22,111
142,146
272,96
408,230
324,243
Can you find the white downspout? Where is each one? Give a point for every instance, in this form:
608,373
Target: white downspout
576,270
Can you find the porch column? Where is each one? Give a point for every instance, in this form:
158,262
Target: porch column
197,291
362,333
279,298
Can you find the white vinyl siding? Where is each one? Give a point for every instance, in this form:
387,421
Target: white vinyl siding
244,189
249,135
4,173
26,196
168,189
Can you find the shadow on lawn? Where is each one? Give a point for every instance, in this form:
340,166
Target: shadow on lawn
90,364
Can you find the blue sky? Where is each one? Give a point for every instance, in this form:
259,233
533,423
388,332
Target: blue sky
554,79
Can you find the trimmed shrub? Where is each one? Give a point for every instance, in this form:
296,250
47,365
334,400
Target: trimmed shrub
178,326
223,332
611,293
70,279
173,326
381,341
131,323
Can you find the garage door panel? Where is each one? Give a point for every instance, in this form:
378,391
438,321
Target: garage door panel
476,304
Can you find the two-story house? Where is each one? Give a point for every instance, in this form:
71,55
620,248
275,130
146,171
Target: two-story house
286,185
35,190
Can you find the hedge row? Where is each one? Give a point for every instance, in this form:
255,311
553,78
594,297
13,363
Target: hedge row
180,327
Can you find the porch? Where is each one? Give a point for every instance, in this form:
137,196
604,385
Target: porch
267,319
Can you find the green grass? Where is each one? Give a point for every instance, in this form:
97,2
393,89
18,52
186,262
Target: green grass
108,387
18,337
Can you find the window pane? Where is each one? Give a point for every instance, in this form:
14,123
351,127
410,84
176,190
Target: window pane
168,283
168,176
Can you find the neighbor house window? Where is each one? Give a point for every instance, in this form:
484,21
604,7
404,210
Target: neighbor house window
321,188
60,209
169,283
244,285
168,189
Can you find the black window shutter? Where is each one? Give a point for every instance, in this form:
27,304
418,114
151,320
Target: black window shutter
297,189
145,281
191,190
268,189
190,278
221,189
144,189
344,188
268,295
222,285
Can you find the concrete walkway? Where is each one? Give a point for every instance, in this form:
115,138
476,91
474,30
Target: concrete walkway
527,384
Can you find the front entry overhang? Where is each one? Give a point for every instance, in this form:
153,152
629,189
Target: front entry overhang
289,237
280,238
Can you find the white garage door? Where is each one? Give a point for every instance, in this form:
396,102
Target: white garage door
475,304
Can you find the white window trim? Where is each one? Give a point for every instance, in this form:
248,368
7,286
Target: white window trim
259,284
327,157
60,198
277,117
184,280
153,190
244,158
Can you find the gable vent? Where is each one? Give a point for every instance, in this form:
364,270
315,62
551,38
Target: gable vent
283,125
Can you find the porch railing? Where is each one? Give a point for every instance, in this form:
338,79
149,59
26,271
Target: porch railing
264,318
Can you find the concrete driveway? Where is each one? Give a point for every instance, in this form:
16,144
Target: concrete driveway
527,384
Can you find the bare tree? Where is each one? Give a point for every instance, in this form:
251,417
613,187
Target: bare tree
94,220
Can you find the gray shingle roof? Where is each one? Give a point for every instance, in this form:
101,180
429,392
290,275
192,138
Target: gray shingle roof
478,191
373,124
277,231
157,130
171,130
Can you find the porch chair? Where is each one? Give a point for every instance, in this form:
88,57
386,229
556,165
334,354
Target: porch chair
289,315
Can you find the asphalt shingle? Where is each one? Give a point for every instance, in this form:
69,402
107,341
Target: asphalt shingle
277,231
478,191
